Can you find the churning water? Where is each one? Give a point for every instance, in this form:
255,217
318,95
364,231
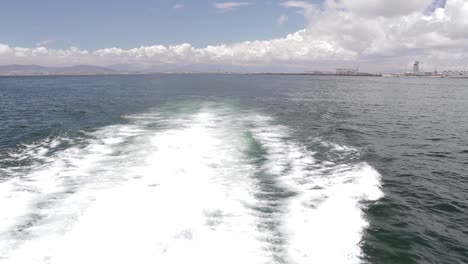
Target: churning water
231,169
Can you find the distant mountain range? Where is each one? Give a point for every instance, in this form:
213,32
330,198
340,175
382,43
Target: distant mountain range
14,69
29,70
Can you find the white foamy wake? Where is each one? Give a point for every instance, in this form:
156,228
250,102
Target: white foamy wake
323,222
180,189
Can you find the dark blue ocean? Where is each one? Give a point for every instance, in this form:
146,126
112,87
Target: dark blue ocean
233,169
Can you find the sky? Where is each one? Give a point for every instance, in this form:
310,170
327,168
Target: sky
374,35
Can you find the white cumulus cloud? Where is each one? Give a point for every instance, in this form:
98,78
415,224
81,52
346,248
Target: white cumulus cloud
229,6
44,42
305,8
4,49
381,7
338,34
282,20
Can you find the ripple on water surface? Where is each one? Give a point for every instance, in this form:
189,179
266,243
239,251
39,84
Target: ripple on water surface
204,184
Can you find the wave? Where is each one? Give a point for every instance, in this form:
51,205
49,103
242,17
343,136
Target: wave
211,184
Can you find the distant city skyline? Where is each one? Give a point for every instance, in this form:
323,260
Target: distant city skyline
376,35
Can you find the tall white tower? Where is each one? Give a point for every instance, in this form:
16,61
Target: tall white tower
416,67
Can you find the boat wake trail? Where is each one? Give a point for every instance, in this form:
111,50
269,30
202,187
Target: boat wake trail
196,183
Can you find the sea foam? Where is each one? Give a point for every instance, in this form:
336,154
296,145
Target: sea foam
182,187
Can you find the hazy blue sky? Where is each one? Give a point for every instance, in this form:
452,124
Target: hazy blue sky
294,35
93,24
